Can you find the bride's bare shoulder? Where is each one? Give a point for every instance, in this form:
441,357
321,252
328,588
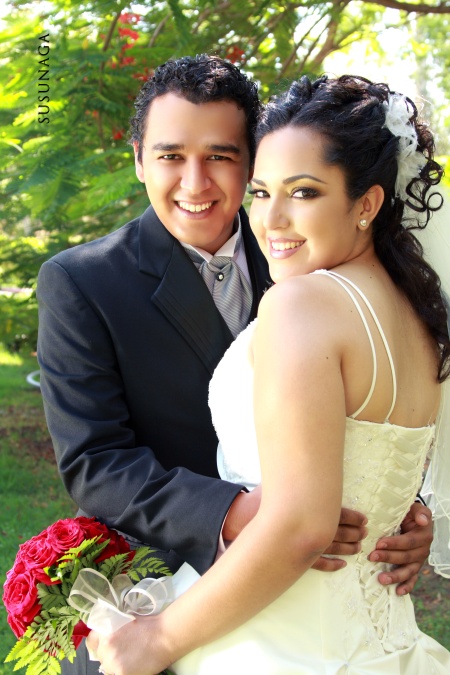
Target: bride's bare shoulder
306,293
306,313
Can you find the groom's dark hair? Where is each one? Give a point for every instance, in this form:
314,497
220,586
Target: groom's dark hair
199,79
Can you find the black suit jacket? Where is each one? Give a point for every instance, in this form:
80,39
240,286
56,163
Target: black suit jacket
128,339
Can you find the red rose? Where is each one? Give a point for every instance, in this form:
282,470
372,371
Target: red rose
116,545
79,632
18,627
19,568
35,554
93,528
21,601
64,534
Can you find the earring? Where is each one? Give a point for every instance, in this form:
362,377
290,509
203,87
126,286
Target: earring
363,223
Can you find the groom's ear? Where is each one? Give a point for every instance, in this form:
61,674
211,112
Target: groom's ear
371,203
138,162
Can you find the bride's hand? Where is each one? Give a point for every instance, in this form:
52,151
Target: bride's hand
135,649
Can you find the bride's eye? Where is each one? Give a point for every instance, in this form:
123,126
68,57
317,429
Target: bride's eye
304,193
258,194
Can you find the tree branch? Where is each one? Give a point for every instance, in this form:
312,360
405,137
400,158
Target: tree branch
105,48
107,42
157,31
111,30
207,12
443,8
298,44
328,46
309,52
270,26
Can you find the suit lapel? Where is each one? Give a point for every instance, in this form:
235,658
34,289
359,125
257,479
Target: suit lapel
182,295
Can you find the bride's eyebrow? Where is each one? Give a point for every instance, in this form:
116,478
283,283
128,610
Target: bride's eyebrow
299,176
291,179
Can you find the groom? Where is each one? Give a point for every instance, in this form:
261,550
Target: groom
132,326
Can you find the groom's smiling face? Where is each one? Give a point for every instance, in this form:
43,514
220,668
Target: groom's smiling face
195,165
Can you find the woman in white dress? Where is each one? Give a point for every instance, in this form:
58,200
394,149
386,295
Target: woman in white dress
328,398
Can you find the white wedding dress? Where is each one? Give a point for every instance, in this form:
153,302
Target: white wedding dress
326,623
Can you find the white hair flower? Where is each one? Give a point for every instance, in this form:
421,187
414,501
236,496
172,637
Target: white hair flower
410,160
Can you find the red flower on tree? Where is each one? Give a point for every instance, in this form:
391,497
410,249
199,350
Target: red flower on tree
127,61
128,32
130,37
234,54
129,17
145,75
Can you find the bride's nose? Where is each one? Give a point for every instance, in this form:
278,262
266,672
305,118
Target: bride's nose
276,217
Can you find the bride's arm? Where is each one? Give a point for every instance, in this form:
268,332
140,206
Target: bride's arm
299,412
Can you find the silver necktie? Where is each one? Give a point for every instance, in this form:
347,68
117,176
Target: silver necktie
229,287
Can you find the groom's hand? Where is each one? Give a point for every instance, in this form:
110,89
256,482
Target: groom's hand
347,540
407,551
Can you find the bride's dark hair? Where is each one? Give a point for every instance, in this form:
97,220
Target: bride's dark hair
350,111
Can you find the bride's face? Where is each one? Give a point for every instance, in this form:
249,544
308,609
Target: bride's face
301,214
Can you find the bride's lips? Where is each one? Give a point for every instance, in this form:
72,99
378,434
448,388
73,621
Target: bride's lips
284,248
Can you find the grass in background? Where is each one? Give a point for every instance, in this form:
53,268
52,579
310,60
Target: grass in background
32,496
431,599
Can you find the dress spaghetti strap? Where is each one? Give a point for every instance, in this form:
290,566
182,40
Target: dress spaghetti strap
343,281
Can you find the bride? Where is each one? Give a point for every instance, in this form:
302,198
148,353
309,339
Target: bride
330,397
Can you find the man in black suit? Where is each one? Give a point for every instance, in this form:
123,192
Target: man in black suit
130,333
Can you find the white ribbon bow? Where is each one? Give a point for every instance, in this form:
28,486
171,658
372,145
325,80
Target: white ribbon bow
106,607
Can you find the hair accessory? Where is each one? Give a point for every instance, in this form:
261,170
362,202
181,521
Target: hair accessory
363,222
410,161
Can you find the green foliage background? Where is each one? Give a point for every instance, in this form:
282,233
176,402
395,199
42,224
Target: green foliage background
67,170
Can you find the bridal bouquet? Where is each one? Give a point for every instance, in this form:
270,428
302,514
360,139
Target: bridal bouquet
61,576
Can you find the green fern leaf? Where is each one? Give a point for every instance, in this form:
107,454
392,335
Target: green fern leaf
152,565
51,596
21,648
142,553
114,565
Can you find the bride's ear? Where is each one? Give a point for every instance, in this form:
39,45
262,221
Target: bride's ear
371,203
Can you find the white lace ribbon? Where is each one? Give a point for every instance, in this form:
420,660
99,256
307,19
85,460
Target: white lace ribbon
107,606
